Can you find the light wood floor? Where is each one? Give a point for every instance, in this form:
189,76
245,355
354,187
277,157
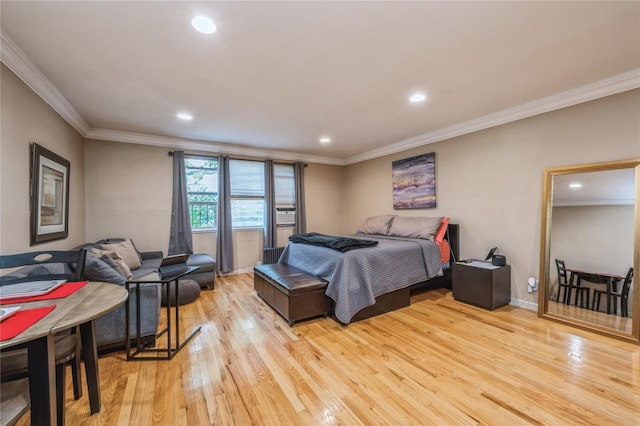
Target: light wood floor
436,362
604,319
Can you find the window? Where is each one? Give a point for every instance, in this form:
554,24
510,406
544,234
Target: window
285,186
285,192
247,193
202,191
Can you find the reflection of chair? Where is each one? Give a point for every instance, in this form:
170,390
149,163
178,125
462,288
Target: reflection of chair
563,281
14,363
581,292
623,294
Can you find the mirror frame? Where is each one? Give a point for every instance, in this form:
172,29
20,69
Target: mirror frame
545,241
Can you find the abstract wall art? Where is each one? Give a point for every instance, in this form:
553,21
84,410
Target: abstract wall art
414,182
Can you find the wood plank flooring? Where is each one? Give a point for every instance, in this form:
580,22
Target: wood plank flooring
613,321
437,362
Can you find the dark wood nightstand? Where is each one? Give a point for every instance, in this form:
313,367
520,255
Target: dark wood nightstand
480,286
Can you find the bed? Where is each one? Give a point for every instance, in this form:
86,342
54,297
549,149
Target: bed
372,280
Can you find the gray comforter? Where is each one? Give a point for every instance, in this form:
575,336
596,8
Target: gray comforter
357,277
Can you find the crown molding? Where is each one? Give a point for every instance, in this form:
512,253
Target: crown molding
610,86
204,146
19,64
16,60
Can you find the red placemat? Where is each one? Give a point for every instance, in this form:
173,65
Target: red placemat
63,291
21,320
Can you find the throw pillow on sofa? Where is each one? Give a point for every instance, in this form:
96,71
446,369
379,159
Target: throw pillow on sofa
127,252
103,269
115,257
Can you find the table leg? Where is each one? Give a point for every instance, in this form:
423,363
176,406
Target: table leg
168,295
127,322
608,295
42,381
90,355
177,314
567,294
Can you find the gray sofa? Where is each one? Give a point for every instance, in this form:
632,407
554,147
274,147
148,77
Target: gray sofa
110,328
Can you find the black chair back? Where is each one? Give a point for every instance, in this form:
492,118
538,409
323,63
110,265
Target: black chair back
626,285
75,258
562,273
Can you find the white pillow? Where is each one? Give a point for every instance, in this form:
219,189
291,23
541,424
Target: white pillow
415,227
378,225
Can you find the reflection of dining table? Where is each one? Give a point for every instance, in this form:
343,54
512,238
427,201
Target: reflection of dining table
80,308
610,280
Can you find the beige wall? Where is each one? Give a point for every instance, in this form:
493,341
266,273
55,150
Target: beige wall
325,197
129,195
592,238
490,181
26,118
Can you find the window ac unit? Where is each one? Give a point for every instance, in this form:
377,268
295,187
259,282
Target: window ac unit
285,215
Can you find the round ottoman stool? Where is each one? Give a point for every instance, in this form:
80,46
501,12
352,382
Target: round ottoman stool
189,291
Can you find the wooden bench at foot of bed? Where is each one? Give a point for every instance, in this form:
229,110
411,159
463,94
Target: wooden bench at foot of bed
295,294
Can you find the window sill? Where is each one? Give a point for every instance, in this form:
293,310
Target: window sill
204,231
214,230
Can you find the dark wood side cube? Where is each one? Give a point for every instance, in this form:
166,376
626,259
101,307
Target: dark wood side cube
486,288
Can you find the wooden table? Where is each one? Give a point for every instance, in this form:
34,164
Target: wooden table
79,309
610,280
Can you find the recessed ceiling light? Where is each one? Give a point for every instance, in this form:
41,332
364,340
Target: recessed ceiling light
203,24
184,116
325,139
417,97
575,185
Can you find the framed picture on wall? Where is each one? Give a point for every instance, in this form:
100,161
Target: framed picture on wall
414,182
49,195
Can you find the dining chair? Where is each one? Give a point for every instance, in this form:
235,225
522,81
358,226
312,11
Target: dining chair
65,265
563,281
582,292
623,294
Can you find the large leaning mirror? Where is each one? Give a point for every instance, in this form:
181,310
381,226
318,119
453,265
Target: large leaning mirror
589,247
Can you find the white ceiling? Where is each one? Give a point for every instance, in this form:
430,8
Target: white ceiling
608,187
278,75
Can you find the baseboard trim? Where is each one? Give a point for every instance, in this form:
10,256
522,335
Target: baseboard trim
237,272
524,304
